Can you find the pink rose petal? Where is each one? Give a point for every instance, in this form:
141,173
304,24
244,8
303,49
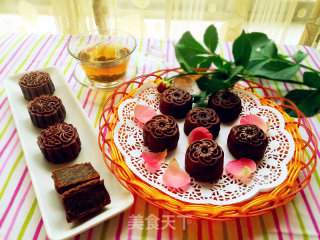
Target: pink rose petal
176,177
241,169
198,134
143,113
254,119
153,161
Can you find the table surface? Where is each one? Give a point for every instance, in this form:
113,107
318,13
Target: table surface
20,217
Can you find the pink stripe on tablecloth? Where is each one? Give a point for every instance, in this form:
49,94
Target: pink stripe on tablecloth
90,234
249,229
287,222
87,98
315,54
37,54
276,223
13,196
120,223
64,47
167,52
47,49
15,53
2,44
71,76
239,232
17,211
229,51
159,231
315,62
12,34
92,104
314,222
38,229
4,113
8,142
132,210
199,230
16,61
9,155
3,102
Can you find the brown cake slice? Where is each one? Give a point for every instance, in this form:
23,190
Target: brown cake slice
35,84
87,198
70,177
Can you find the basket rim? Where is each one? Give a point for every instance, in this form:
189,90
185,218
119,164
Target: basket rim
258,205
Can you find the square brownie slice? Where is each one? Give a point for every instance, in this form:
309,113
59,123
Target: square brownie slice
70,177
84,199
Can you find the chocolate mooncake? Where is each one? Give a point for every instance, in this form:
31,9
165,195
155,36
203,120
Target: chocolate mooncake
85,199
59,143
46,110
72,176
247,141
161,132
204,160
202,117
175,102
35,84
226,104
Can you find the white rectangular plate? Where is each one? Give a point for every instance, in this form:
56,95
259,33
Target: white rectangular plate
52,211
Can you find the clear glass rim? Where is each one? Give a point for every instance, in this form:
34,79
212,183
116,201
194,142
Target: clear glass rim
97,30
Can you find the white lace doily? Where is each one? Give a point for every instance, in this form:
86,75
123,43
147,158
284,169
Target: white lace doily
271,170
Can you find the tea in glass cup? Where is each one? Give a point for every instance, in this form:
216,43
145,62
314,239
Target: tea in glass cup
103,55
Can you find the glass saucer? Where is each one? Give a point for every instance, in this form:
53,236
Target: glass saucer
82,78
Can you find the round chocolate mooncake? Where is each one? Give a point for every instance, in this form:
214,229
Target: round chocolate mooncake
46,110
226,104
204,160
35,84
202,117
247,141
161,132
59,143
175,102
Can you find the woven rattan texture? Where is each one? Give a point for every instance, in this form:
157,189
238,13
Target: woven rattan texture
260,204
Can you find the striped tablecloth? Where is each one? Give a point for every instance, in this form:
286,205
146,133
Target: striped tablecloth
20,217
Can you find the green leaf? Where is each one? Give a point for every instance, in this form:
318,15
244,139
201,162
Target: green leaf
210,38
211,85
206,63
275,69
257,39
217,61
186,49
299,56
241,50
200,99
234,72
269,50
308,101
312,79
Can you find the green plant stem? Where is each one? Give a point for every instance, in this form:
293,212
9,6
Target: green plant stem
244,76
309,68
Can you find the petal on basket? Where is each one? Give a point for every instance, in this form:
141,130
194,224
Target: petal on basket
153,161
255,120
144,113
175,176
241,169
198,134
